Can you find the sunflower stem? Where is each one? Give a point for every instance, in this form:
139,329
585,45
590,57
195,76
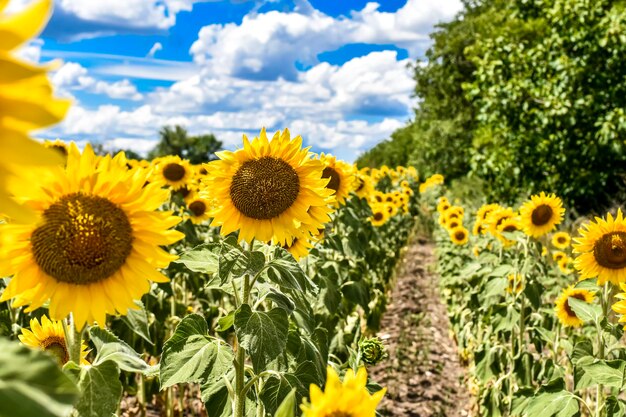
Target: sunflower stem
73,339
240,360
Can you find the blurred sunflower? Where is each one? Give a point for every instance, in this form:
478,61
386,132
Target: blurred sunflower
496,217
443,205
380,215
564,312
509,225
602,249
483,212
50,337
95,248
172,171
541,214
269,189
516,283
57,145
459,235
620,306
363,186
341,178
199,206
564,265
26,103
557,255
349,398
561,240
300,246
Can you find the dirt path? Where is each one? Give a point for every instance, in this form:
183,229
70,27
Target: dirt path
422,375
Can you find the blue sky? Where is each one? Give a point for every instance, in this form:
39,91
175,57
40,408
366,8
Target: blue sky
335,72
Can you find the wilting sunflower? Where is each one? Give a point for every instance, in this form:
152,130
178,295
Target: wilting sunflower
349,398
95,248
26,104
602,249
199,207
541,214
380,214
516,283
564,312
561,240
459,235
172,171
269,189
49,337
341,177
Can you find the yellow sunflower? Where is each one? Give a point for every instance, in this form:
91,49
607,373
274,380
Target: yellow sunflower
380,215
269,189
478,228
561,240
363,186
459,235
95,248
443,205
57,145
516,283
50,337
199,207
341,177
620,306
511,224
349,398
378,197
564,312
602,249
453,224
172,171
496,217
300,246
476,251
564,265
26,103
541,214
558,255
483,213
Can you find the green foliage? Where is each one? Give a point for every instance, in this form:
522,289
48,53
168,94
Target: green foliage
176,141
31,383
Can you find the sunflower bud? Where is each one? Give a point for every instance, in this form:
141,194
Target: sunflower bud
372,351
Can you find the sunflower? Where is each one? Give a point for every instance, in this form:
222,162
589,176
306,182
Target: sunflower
453,224
558,255
496,217
564,312
363,186
95,248
602,249
483,213
300,246
443,205
172,171
378,197
26,103
349,398
269,189
541,214
561,240
509,225
199,206
516,283
476,251
459,235
57,145
50,337
478,228
341,178
564,265
380,215
620,306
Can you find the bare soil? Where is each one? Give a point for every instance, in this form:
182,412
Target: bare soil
423,375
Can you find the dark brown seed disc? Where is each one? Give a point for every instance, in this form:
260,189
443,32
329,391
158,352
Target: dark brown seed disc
198,208
610,250
264,188
378,216
174,172
459,235
568,309
335,179
541,215
83,239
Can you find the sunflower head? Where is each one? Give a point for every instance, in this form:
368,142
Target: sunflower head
341,177
601,249
199,207
516,284
558,255
96,244
496,217
564,312
347,398
541,214
269,190
380,214
459,235
172,171
561,240
49,337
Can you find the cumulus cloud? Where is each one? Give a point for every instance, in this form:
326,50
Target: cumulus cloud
266,46
155,48
73,76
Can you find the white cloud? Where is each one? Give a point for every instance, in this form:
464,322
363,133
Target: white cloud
31,51
267,45
73,76
155,48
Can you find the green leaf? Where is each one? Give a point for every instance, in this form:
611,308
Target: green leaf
615,407
137,321
123,355
234,261
358,292
202,258
31,383
226,322
216,399
609,373
288,407
585,311
101,390
553,404
263,335
286,272
277,388
190,355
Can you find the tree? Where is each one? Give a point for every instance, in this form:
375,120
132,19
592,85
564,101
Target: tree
176,141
